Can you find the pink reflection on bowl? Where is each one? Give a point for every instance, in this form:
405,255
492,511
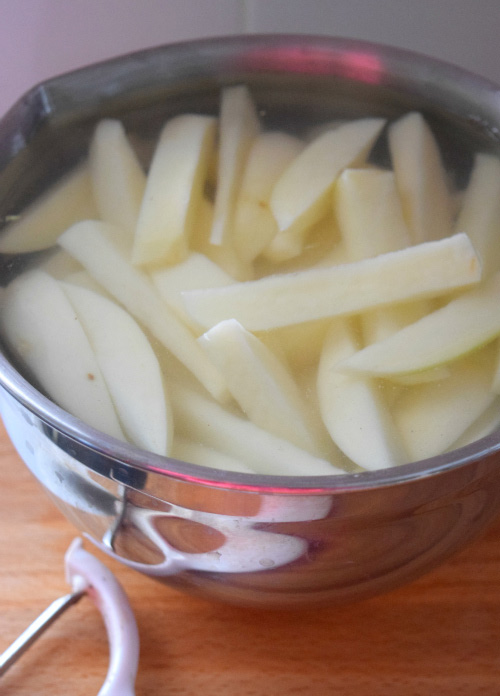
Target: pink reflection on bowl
361,66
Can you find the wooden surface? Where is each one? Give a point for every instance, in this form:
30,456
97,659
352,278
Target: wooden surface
440,635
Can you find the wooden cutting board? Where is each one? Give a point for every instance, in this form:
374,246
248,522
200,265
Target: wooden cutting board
439,635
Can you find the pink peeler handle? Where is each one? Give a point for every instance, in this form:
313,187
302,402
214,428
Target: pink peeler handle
88,576
85,572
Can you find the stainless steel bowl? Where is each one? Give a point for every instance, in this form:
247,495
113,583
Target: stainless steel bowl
247,539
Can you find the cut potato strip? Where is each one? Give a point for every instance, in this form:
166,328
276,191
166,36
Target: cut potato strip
88,243
254,223
421,271
174,190
353,408
259,382
371,222
223,255
495,384
431,417
480,213
380,323
238,126
83,279
43,332
307,380
189,451
198,417
369,213
195,273
118,181
229,261
487,422
368,315
40,224
301,195
60,264
420,178
323,238
433,374
300,344
458,328
129,367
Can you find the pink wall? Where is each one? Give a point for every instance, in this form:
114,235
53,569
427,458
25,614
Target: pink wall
41,38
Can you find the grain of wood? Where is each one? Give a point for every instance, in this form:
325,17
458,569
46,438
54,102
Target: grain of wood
439,635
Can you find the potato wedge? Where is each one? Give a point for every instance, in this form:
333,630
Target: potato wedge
353,408
254,223
202,419
300,344
420,178
238,126
370,218
223,255
42,330
431,417
301,195
38,226
460,327
129,367
380,323
196,272
89,244
60,264
486,424
83,279
118,181
480,213
259,382
369,213
174,190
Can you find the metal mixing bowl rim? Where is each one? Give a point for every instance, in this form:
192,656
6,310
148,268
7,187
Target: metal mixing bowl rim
129,455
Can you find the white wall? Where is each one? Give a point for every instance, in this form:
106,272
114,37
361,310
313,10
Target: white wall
41,38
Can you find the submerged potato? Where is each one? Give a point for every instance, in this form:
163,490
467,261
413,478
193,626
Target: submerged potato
130,369
42,331
343,310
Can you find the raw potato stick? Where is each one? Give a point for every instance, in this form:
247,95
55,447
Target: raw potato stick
301,196
254,223
420,178
353,407
265,233
196,272
370,217
432,416
487,422
88,243
174,189
458,328
129,366
200,418
259,382
118,180
40,224
480,213
238,126
42,330
424,270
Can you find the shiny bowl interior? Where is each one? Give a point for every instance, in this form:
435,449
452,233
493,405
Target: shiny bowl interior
294,79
